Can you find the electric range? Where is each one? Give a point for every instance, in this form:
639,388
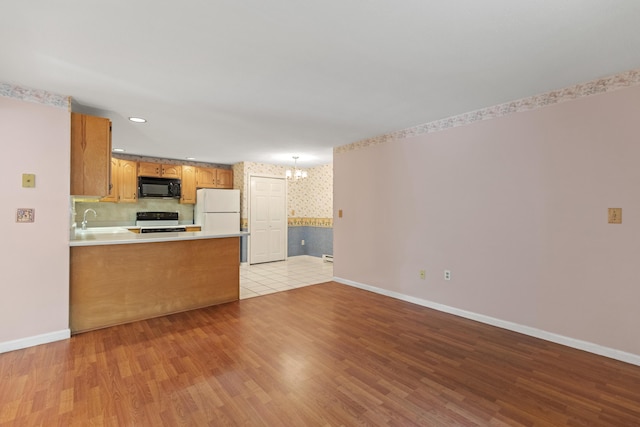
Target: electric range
158,222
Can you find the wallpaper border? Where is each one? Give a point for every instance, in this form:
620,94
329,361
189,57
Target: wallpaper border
35,95
594,87
310,222
297,222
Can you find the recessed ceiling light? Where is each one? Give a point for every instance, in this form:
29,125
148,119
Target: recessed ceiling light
190,158
138,119
118,150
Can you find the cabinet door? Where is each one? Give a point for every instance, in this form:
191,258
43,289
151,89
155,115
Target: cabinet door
224,178
206,178
188,189
90,155
115,178
149,169
171,171
128,185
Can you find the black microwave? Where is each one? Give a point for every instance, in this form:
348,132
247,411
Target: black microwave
165,188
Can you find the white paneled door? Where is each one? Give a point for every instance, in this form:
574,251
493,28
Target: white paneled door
267,220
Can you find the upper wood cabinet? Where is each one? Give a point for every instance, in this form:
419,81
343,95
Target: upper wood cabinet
128,181
214,178
90,155
124,182
113,187
188,187
205,178
172,171
159,170
224,178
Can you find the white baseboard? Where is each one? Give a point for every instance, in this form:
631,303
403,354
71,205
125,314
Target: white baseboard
34,340
527,330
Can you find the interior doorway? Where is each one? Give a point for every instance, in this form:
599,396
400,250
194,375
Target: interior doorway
267,219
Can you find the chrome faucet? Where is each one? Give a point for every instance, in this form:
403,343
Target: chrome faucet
84,217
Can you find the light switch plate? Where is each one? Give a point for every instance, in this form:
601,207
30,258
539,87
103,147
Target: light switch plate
340,213
615,215
28,180
25,215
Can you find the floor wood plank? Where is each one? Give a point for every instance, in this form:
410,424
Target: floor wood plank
322,355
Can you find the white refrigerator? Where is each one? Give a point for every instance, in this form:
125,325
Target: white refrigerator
217,211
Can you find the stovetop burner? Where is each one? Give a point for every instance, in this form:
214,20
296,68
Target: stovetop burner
158,222
156,216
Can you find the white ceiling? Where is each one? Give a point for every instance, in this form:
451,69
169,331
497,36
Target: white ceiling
230,80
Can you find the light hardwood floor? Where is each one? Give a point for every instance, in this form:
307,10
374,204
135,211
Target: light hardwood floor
320,355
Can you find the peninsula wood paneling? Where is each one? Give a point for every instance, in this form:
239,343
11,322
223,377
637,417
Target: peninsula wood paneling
113,284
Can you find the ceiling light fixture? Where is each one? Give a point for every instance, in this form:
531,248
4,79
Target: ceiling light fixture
138,120
295,173
190,158
118,150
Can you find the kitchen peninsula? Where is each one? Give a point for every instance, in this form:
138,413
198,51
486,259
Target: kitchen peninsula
122,274
118,276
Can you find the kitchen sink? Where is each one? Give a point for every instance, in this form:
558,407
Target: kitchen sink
102,230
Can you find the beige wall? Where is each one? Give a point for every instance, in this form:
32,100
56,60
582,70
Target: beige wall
34,266
516,208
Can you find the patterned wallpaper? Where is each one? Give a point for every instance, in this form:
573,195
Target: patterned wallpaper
312,197
309,201
35,95
608,84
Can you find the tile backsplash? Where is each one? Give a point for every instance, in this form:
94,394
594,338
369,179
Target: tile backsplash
115,214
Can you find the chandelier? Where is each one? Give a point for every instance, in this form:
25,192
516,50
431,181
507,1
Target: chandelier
295,173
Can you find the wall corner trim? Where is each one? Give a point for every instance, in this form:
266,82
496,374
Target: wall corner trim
611,353
35,340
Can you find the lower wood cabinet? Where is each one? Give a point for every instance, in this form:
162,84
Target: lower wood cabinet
115,284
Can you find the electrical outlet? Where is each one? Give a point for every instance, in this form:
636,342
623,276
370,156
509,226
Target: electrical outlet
447,275
423,274
302,242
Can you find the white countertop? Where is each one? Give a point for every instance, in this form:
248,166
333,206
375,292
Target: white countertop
121,236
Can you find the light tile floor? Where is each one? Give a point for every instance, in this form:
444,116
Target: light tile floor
295,272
